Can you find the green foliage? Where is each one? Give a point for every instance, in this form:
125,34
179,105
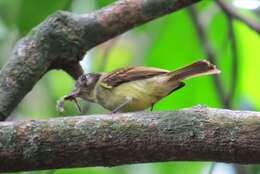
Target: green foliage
102,3
32,12
8,12
249,52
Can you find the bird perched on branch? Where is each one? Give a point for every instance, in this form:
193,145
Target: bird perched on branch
134,88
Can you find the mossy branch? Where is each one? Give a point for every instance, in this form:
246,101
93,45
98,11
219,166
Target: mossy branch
195,134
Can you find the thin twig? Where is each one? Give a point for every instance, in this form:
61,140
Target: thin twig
212,168
208,50
234,14
234,57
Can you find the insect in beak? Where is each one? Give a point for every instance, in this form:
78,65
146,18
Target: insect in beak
73,96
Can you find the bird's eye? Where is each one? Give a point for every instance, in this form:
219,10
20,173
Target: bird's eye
83,78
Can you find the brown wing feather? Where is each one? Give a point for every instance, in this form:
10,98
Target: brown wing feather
123,75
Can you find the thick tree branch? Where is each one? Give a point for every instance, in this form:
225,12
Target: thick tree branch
196,134
62,40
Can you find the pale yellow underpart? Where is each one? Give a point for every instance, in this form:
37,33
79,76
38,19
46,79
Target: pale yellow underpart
140,93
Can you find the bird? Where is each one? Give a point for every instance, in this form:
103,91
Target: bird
133,89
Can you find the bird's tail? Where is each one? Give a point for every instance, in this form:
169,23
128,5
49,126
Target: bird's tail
199,68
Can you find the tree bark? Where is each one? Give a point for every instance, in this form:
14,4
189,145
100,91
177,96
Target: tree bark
60,42
195,134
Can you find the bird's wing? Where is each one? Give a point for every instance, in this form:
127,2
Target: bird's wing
123,75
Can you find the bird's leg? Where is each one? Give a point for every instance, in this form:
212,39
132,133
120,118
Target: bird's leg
77,105
118,108
151,109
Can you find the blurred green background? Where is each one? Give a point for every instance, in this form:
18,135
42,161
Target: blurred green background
168,42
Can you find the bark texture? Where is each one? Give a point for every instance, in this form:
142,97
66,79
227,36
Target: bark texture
61,41
195,134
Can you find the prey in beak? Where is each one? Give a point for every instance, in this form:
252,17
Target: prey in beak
72,97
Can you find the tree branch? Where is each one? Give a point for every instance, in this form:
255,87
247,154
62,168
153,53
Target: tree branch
61,41
234,57
211,56
234,14
196,134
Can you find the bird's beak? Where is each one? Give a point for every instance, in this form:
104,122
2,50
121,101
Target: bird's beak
73,96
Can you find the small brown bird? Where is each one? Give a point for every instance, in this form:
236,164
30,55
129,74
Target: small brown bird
134,88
